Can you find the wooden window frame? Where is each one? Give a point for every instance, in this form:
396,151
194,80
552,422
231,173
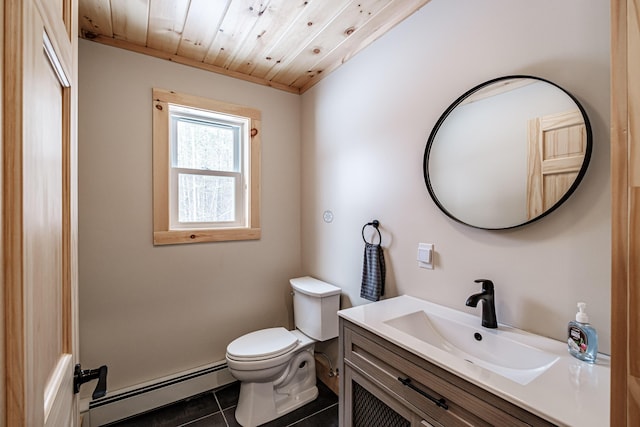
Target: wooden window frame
163,234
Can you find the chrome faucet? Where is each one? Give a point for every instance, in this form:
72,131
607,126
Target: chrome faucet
488,303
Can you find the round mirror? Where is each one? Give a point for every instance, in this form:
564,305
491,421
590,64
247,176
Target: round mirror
507,152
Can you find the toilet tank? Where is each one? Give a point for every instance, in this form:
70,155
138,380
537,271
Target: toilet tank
315,307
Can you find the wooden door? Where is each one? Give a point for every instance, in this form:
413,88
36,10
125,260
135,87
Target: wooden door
625,213
39,212
557,147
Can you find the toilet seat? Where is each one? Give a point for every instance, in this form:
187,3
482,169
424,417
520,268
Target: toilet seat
262,345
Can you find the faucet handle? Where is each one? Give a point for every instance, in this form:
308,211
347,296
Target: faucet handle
487,285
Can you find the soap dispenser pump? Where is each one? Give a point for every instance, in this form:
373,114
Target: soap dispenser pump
583,339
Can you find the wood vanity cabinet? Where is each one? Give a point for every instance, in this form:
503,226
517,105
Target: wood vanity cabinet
384,385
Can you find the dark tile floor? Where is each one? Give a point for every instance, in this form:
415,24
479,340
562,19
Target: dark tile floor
216,409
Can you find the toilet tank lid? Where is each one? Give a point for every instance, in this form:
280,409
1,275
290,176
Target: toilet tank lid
314,287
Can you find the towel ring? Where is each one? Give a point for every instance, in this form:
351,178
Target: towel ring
375,224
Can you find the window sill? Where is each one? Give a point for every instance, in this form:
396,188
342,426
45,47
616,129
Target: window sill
199,236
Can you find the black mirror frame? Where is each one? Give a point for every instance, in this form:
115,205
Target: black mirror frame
443,117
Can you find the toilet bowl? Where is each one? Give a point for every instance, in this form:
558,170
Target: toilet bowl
276,367
275,380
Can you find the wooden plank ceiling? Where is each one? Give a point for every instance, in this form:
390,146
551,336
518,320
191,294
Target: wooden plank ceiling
286,44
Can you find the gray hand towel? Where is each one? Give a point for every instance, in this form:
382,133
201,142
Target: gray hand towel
373,272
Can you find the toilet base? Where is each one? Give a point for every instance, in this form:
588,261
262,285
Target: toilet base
259,403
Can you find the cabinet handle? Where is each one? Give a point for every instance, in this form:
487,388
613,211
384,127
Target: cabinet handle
439,402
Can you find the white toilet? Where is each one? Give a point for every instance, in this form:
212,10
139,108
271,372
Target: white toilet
275,367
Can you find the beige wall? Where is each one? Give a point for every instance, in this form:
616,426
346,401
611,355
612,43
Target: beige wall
147,311
364,132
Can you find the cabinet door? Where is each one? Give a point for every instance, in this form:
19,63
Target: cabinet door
371,406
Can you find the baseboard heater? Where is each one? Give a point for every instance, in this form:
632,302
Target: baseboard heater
131,401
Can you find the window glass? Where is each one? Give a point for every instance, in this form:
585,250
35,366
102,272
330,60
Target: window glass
204,198
205,145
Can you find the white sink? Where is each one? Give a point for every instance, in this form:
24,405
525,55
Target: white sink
500,350
532,371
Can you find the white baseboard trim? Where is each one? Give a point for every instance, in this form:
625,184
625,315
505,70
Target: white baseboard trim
140,398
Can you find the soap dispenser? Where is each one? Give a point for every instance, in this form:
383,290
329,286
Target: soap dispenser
583,339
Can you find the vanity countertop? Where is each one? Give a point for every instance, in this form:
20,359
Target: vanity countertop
569,393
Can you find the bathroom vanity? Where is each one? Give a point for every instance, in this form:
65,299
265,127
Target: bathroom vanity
408,362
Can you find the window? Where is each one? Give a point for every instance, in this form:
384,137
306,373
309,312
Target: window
206,167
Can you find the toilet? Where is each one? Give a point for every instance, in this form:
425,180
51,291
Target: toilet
276,367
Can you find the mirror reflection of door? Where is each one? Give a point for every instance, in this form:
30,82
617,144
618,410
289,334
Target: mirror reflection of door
557,148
